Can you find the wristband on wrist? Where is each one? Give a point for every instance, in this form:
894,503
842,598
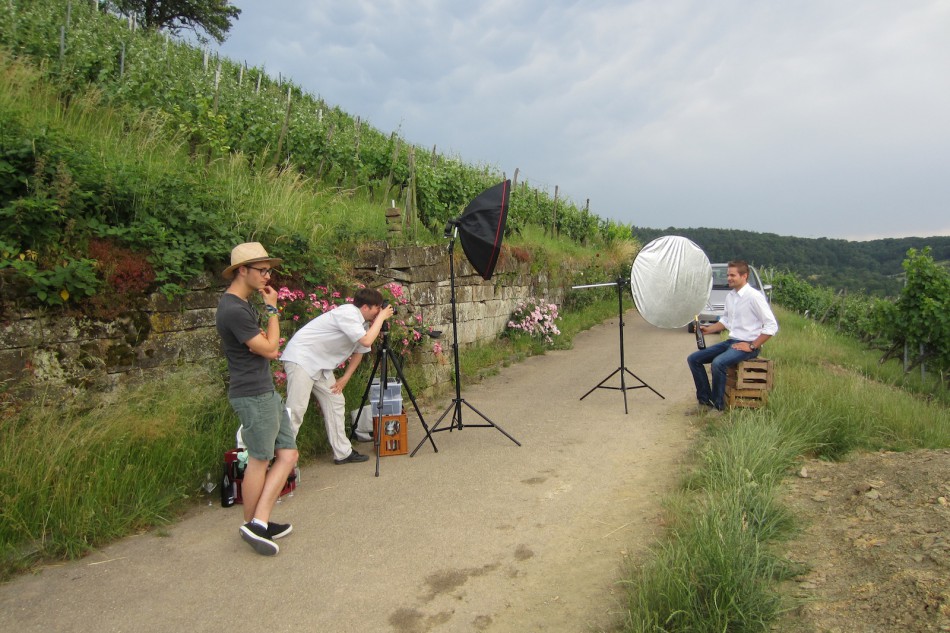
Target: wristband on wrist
271,309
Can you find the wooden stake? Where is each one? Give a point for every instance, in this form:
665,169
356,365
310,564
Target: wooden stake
283,129
217,83
411,202
392,166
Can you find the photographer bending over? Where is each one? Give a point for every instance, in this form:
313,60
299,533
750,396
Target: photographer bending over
320,347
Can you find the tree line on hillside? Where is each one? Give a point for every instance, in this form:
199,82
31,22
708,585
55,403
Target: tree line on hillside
873,267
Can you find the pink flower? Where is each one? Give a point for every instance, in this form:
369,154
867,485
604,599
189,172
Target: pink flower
396,289
436,349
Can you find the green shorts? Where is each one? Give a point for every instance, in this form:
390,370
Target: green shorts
265,424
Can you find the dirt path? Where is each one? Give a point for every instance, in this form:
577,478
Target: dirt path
481,536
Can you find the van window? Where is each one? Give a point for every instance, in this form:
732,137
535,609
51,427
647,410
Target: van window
720,282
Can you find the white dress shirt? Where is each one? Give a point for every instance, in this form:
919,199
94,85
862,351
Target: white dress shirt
748,314
327,341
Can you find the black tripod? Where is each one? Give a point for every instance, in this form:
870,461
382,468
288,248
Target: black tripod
383,355
456,407
622,370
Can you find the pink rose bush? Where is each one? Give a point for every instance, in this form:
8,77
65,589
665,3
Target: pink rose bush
536,319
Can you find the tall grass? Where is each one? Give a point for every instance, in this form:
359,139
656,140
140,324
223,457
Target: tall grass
716,570
72,478
270,201
129,137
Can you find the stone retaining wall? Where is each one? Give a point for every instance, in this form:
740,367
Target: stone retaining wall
62,354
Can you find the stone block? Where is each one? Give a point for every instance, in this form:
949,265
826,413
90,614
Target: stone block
162,322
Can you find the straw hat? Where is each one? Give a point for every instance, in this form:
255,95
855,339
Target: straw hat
248,253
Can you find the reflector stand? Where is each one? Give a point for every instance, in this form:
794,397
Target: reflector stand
622,370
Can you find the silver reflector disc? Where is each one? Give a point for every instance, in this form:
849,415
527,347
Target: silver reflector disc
670,279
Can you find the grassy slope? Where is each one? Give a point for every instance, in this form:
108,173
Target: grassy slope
715,571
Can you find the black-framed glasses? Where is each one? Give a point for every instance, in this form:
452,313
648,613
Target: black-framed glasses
265,272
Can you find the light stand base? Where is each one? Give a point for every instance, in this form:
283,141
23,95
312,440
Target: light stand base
456,408
623,385
622,370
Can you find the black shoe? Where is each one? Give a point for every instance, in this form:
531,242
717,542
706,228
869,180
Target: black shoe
257,537
352,458
278,530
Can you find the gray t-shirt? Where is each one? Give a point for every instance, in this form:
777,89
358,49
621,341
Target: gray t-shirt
238,322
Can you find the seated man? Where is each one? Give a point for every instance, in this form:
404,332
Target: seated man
750,322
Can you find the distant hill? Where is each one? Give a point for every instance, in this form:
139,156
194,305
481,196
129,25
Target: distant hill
873,267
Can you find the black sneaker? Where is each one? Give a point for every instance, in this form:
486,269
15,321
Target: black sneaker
278,530
352,458
256,536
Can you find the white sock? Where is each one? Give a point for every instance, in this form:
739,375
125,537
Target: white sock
263,524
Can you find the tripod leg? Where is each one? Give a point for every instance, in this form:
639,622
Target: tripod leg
490,423
435,428
600,384
644,384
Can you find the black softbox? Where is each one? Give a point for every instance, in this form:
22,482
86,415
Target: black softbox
482,226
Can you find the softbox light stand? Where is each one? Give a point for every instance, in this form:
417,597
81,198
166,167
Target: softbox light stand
622,370
384,356
480,229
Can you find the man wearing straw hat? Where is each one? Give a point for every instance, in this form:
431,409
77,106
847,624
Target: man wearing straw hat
265,425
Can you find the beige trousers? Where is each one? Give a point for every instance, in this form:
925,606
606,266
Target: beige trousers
300,385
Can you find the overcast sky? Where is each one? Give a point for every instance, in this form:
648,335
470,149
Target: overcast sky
814,118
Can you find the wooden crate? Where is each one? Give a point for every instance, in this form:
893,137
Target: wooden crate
755,373
746,398
394,439
748,383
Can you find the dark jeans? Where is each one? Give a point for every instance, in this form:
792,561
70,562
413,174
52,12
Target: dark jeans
721,357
